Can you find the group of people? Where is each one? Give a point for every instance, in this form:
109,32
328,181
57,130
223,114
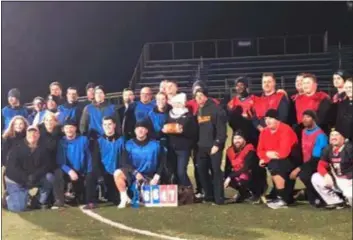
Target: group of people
68,149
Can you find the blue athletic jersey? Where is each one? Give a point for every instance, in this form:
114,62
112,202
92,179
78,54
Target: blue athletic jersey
96,116
142,110
158,120
8,113
110,152
320,143
67,113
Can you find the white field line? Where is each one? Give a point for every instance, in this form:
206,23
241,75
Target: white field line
126,228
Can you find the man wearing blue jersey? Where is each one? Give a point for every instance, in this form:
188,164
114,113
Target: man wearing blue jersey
106,156
143,160
75,165
71,109
93,114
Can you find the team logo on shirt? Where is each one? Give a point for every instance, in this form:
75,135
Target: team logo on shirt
203,119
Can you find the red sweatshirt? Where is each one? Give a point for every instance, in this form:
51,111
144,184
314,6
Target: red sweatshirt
281,141
194,107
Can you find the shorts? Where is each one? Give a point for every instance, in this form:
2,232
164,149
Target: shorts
281,167
130,177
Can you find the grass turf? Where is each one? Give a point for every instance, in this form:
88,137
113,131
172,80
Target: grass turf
198,221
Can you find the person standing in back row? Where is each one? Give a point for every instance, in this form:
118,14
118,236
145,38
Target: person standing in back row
345,111
212,123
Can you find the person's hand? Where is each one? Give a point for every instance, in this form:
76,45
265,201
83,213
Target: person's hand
155,179
226,182
328,181
272,155
139,177
214,150
262,163
260,128
282,91
179,128
293,175
73,175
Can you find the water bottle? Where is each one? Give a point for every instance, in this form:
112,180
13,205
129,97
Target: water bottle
135,202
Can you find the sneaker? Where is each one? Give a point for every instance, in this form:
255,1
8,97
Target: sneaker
238,198
89,206
124,202
199,195
57,205
335,206
253,200
279,203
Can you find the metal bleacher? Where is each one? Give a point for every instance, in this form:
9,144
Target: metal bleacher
219,68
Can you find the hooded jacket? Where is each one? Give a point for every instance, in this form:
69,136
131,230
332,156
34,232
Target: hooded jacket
8,144
70,111
212,123
345,117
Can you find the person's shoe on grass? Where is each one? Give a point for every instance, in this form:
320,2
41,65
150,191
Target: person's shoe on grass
124,202
277,204
90,206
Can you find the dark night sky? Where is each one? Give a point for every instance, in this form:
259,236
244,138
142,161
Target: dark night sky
78,42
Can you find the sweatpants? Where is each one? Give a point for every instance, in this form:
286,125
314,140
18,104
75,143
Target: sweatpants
198,188
17,195
283,168
329,195
84,187
306,172
211,183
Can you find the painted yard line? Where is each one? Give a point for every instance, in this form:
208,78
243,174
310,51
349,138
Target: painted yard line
126,228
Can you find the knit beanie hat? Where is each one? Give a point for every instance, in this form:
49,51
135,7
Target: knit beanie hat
179,98
99,87
272,113
243,80
342,73
14,92
90,85
311,114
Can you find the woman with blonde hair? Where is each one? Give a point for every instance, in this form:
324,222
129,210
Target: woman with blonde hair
50,134
15,133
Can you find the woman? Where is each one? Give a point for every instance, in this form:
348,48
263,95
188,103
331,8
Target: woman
50,134
158,117
14,134
181,129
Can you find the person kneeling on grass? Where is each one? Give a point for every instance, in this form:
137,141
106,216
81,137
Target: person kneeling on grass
337,159
143,160
27,168
242,170
276,150
314,141
106,156
75,161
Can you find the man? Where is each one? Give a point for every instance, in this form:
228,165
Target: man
89,93
138,111
292,117
345,111
71,110
56,89
163,86
334,171
277,149
28,167
314,141
13,109
143,160
93,114
171,90
270,99
242,170
38,107
239,110
212,136
128,98
51,106
75,166
106,156
339,78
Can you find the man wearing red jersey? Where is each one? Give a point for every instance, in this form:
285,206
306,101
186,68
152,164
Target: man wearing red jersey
239,110
314,100
277,150
270,99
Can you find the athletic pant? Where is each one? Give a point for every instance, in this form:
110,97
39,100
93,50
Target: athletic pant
112,193
212,184
306,172
329,195
196,172
17,195
84,186
283,168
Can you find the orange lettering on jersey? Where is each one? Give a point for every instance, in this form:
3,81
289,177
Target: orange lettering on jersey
203,119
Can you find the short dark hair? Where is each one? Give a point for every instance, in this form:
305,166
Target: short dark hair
57,84
300,74
310,75
107,118
72,88
128,89
269,74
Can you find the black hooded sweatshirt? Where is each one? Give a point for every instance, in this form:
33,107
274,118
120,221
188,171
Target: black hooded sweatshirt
345,117
8,144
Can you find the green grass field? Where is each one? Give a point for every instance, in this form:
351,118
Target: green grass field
198,221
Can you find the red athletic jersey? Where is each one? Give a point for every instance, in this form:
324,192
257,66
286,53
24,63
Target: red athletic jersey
245,105
308,143
237,160
281,141
194,107
304,102
264,103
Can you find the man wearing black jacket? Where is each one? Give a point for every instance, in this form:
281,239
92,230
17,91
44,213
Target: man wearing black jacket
345,111
27,168
212,122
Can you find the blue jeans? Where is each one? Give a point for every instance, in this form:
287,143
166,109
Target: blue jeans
18,195
181,158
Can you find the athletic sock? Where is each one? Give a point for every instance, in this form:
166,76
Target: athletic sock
282,194
124,195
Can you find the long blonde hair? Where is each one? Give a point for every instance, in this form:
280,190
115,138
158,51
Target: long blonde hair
10,131
49,114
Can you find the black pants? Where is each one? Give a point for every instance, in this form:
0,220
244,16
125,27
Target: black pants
84,187
211,183
196,171
283,168
258,181
305,174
